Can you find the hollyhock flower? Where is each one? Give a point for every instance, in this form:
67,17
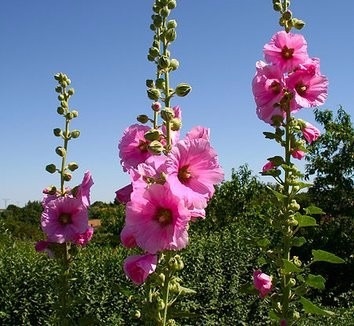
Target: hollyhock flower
133,147
262,282
123,194
43,246
127,238
83,191
268,166
268,111
139,267
298,154
286,51
193,169
199,132
310,132
158,219
63,218
310,89
84,238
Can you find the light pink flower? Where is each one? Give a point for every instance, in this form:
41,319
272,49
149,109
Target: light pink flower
310,132
262,282
199,132
158,219
123,194
139,267
63,218
310,89
133,147
193,170
268,111
84,238
83,191
127,237
298,154
268,166
286,51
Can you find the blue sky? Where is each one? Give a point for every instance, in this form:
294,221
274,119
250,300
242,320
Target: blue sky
102,46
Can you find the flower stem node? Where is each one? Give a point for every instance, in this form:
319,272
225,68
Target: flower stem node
57,132
75,133
60,151
167,114
51,168
72,166
183,89
153,94
155,147
153,134
142,118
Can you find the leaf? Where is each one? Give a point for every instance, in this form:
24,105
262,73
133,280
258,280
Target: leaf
277,160
248,288
273,315
269,135
290,267
305,220
303,185
281,198
321,255
311,308
316,281
261,261
313,210
263,243
187,290
298,241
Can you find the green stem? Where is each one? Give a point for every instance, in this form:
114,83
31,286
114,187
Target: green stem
166,290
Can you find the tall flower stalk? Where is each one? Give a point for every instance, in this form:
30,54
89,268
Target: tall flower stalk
65,210
172,180
288,81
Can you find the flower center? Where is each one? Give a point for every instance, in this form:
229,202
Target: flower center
65,218
143,146
164,216
301,88
287,53
183,174
275,87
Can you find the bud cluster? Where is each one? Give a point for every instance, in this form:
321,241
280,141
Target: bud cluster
287,20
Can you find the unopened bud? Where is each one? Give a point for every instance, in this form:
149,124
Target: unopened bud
171,35
160,83
149,83
61,97
292,221
172,4
277,7
155,147
297,261
156,106
167,114
171,24
162,278
153,134
51,168
298,23
165,12
154,52
164,62
67,176
75,133
60,151
69,115
137,314
153,27
292,282
174,64
58,89
183,89
153,94
72,166
294,205
142,118
287,15
60,110
75,113
296,315
57,132
71,91
160,304
176,124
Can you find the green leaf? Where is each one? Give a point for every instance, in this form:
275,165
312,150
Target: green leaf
316,281
277,160
281,198
321,255
263,243
290,267
187,290
303,185
261,261
305,220
311,308
269,135
298,241
273,315
313,210
248,288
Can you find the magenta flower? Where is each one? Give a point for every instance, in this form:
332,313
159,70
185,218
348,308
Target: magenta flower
193,170
199,132
298,154
268,166
43,245
262,282
83,192
127,237
139,267
84,238
157,219
310,132
283,322
63,218
286,51
123,194
133,147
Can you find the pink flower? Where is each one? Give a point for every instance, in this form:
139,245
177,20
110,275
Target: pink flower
63,218
157,219
298,154
199,132
283,322
268,166
286,51
310,132
83,192
127,237
270,111
84,238
310,89
44,246
133,147
262,282
139,267
123,194
193,170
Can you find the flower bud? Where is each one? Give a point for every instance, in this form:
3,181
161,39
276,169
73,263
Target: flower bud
277,7
153,94
156,106
75,133
75,113
164,62
165,12
60,151
51,168
69,116
67,176
154,52
58,89
57,132
170,35
150,83
174,64
137,314
153,27
57,76
292,221
61,97
150,58
183,89
297,261
179,263
176,124
71,91
157,20
294,205
292,282
160,304
172,24
60,110
298,23
152,134
155,147
172,4
162,278
64,104
167,114
296,315
72,166
287,15
68,81
160,83
142,118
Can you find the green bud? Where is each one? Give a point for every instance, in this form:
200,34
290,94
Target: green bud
157,20
282,22
149,83
142,118
137,314
64,104
160,304
68,81
75,113
164,62
277,7
297,261
67,176
153,27
75,133
164,2
156,44
294,205
60,151
63,83
167,114
296,189
287,15
176,124
296,315
164,12
69,116
154,52
71,91
153,134
57,132
170,35
162,278
160,83
72,166
179,263
51,168
172,4
52,190
60,110
61,97
156,9
153,94
298,23
292,221
155,147
174,64
57,76
172,24
150,58
183,89
292,282
58,89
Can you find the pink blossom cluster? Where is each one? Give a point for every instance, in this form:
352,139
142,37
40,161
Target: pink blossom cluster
166,193
262,282
65,216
